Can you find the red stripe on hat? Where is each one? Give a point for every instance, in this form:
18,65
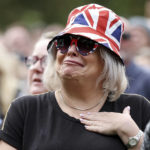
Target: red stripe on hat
114,49
84,7
101,40
88,15
113,22
102,21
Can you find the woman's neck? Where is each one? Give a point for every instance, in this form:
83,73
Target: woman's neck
80,90
74,107
81,95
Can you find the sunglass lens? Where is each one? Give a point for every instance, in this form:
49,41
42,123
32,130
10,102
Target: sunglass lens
85,46
63,43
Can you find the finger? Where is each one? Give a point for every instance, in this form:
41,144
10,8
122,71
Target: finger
91,116
126,110
98,116
88,116
100,129
93,128
88,122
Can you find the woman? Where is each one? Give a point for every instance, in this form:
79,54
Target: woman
89,110
36,64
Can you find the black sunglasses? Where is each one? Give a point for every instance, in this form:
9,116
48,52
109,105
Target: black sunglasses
83,45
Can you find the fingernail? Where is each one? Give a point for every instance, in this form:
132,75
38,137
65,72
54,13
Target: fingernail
128,107
81,115
88,113
81,119
86,126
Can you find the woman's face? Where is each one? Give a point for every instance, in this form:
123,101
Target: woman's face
35,72
73,65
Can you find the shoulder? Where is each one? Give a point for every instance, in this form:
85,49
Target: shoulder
139,108
130,96
33,98
133,99
29,106
33,101
137,103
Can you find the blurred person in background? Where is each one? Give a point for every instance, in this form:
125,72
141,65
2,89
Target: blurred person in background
143,58
140,32
17,39
40,37
135,37
9,66
138,77
36,64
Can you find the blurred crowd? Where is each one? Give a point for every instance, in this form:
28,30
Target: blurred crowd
18,42
135,50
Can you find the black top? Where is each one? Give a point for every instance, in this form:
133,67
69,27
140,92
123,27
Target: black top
38,123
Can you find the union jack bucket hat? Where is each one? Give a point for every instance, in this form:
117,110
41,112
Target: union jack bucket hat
97,23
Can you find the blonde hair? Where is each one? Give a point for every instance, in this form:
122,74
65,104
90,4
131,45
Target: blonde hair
113,76
114,79
50,79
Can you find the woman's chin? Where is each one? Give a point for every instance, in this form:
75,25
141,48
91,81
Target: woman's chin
69,74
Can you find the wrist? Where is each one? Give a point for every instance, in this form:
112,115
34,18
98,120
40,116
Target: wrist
134,140
127,129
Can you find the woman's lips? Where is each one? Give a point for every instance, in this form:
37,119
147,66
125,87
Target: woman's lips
72,62
37,81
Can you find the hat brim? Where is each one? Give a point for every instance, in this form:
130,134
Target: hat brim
93,35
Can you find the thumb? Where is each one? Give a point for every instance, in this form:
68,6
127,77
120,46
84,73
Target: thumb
126,110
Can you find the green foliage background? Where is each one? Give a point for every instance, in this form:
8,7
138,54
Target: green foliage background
43,12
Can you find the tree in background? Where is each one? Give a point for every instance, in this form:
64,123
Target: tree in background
36,12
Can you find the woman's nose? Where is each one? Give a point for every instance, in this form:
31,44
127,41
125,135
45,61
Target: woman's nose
37,67
72,50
